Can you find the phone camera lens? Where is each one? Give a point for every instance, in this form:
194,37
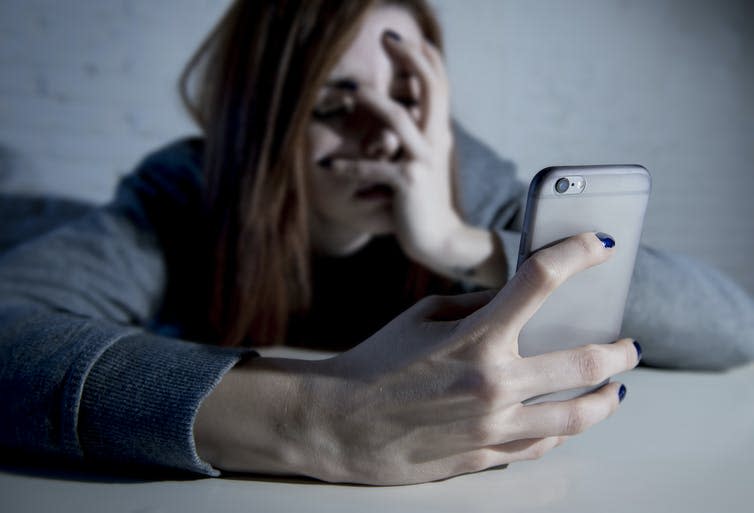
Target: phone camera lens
562,185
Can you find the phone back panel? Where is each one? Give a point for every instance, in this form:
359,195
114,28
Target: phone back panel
588,308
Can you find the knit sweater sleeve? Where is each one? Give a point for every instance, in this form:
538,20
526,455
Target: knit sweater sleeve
80,376
686,314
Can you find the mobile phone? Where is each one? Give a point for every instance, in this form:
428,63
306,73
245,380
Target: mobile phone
587,308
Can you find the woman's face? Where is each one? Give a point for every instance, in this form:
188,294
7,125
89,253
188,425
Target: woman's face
346,211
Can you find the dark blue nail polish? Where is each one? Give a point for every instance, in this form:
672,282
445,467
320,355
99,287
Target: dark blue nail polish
391,34
606,240
621,393
638,349
325,162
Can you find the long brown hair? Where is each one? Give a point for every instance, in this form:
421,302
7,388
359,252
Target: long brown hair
251,87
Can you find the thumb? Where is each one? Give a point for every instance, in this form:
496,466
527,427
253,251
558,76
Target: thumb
455,307
538,277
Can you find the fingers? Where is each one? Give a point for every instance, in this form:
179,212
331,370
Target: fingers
378,171
426,63
495,456
519,422
573,368
538,277
532,431
393,115
566,418
525,449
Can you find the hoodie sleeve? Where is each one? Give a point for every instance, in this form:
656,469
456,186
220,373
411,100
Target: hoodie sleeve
80,376
687,314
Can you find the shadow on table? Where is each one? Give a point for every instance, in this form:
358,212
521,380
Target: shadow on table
51,468
233,476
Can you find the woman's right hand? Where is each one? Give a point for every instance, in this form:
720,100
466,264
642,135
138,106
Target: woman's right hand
435,393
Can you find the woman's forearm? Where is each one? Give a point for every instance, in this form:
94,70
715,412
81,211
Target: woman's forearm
252,420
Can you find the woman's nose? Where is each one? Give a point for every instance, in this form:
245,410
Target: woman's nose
381,143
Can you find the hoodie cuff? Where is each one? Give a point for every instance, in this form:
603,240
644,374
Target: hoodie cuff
140,399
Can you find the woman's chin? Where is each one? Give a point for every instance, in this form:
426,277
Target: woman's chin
379,223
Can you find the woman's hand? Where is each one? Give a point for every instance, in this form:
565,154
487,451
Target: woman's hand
427,226
435,393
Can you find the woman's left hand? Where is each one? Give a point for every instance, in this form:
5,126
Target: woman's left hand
427,226
421,178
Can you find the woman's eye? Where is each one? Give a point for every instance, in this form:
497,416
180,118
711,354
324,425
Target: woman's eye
326,113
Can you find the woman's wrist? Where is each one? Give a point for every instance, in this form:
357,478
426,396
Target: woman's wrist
470,254
252,419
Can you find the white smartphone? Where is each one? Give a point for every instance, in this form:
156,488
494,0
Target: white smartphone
588,308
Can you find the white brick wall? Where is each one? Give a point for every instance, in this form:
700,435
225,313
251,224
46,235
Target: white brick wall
87,87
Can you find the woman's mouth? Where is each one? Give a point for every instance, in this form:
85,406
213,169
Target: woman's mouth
375,192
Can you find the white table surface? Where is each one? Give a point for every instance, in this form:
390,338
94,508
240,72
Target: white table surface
681,441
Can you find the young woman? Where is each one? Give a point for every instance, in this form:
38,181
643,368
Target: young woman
323,200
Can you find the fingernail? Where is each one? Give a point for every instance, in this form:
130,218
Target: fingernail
325,162
638,349
621,393
606,240
391,34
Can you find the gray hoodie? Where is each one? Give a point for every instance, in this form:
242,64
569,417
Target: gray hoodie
99,360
